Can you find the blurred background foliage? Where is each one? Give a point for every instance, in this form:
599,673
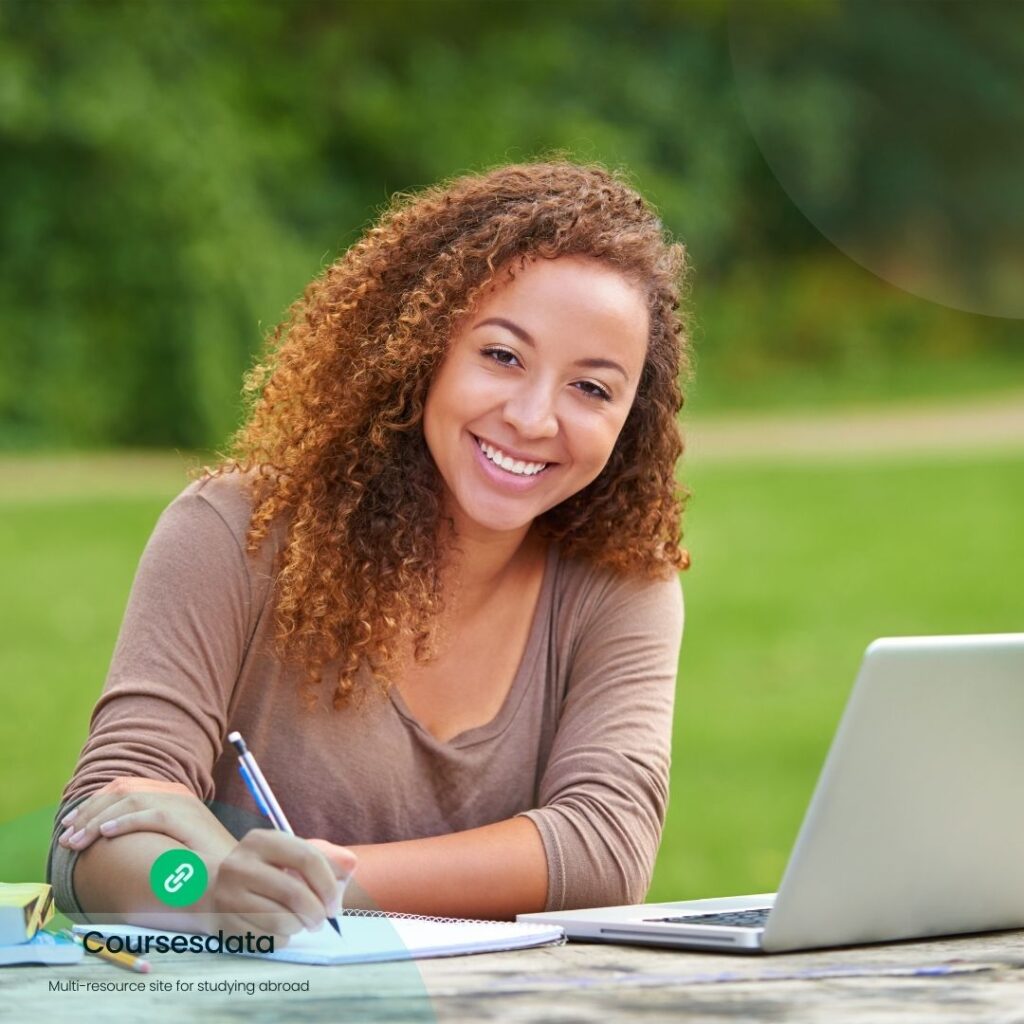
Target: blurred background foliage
174,173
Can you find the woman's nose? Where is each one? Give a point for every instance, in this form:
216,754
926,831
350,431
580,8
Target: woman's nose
531,412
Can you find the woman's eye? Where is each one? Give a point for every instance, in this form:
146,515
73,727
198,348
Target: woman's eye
501,355
592,390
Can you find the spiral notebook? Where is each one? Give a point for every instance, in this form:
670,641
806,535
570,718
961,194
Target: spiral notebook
369,936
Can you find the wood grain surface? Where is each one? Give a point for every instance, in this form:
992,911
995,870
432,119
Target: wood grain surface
977,978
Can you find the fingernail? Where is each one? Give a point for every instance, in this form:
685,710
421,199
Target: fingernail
109,826
77,837
69,817
63,837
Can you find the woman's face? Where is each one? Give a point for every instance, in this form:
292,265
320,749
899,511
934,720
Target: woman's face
541,373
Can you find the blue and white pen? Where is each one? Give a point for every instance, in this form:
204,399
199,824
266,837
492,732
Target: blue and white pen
264,795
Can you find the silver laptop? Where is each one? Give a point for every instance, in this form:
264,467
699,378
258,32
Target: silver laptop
916,826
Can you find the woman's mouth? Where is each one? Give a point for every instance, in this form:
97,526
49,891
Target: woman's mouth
513,467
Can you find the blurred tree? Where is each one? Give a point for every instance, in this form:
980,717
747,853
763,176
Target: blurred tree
897,128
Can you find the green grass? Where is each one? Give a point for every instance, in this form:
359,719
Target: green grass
69,544
795,570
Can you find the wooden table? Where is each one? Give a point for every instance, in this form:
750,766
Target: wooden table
980,978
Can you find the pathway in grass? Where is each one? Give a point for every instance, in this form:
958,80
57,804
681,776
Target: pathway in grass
992,424
59,476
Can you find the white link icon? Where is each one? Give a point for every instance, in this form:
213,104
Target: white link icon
175,881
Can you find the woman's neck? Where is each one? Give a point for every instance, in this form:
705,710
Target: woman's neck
483,563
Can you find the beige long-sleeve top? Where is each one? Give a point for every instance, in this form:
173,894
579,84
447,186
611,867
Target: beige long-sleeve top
581,745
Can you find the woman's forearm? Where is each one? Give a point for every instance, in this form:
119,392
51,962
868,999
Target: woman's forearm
496,871
111,880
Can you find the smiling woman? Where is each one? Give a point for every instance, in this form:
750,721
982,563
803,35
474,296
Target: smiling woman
435,586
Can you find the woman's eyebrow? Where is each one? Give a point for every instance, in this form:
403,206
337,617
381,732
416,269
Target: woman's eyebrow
593,363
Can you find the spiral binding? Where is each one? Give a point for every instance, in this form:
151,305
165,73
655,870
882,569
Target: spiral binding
431,920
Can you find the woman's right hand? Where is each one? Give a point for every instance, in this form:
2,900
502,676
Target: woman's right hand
130,804
273,883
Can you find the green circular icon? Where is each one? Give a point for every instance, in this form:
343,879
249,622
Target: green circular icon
178,877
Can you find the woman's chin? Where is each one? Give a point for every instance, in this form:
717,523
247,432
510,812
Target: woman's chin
479,519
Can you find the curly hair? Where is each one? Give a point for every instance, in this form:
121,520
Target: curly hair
333,446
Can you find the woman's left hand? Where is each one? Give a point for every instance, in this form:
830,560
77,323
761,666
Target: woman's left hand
146,805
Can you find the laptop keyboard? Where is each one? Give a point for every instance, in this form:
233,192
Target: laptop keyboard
736,919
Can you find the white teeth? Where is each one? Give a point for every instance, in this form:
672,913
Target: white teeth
517,466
